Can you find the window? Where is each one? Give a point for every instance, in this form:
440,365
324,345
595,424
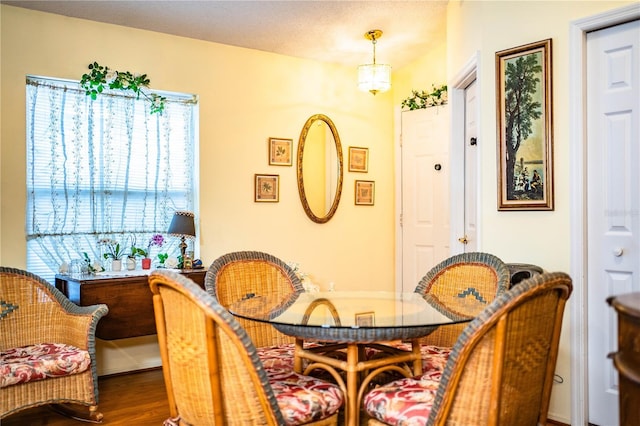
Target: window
103,168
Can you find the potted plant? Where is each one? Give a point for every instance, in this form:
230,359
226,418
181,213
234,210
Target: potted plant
133,254
155,240
113,251
162,257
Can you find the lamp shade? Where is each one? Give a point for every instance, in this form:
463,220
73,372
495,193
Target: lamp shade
182,224
374,78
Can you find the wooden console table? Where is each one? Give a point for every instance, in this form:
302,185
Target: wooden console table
127,295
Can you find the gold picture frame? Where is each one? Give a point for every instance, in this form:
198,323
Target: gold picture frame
358,159
266,188
280,152
525,127
365,192
366,319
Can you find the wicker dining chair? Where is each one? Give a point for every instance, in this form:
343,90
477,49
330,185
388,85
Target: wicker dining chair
212,372
477,278
500,371
47,348
237,275
472,278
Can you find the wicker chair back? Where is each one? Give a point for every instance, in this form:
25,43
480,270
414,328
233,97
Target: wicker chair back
238,275
476,277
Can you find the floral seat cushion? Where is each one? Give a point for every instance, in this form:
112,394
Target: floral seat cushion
303,399
41,361
404,402
279,357
434,358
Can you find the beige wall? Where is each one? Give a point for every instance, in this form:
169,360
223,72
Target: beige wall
423,73
246,96
542,238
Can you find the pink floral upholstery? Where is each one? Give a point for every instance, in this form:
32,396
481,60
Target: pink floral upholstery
37,362
279,357
404,402
303,399
434,358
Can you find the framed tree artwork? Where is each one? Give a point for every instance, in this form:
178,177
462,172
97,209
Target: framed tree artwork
524,132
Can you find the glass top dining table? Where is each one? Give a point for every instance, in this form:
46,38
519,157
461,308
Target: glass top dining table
353,321
350,316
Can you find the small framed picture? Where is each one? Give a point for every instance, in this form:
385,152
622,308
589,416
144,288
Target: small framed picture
365,319
267,188
280,152
358,159
365,192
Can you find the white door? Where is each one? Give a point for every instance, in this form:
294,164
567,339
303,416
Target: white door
470,238
613,192
425,192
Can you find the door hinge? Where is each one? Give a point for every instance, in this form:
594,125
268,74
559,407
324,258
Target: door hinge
463,240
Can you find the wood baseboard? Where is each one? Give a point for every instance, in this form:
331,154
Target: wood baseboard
555,422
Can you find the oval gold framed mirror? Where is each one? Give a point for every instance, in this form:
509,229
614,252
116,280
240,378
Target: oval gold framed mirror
319,163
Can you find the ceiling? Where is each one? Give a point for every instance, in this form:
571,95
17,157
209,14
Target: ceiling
329,31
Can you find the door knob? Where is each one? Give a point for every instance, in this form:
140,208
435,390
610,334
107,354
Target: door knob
463,240
617,252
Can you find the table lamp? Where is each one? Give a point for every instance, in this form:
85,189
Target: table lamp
183,226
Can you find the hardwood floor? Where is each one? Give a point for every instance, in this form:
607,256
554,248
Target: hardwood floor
133,399
137,398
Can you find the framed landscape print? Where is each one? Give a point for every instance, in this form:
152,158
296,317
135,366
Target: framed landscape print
280,152
358,159
524,131
267,188
365,192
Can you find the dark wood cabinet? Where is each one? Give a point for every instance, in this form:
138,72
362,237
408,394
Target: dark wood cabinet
627,358
128,298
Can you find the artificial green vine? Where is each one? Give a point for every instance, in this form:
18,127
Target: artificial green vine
424,99
100,78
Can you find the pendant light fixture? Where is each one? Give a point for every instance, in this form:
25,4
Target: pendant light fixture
374,77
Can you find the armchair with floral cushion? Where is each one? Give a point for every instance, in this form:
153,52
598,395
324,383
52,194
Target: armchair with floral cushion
47,348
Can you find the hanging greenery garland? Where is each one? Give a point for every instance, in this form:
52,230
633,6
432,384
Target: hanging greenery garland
100,78
424,99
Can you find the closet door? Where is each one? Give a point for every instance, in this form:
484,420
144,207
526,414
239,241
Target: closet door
425,192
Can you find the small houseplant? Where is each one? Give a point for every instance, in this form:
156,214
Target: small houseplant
113,251
155,240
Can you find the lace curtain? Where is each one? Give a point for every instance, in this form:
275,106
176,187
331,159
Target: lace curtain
103,168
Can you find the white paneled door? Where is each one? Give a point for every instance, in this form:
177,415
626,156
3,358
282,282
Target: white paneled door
425,192
470,237
613,192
